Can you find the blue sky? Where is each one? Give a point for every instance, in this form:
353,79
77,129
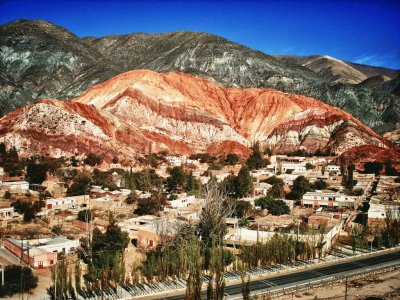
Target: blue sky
360,31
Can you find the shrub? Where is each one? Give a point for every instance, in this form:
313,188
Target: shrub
275,207
26,280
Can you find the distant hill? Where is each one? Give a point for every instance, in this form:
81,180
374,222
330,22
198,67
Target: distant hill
337,70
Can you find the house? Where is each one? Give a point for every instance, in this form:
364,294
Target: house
15,185
293,168
182,201
329,199
146,232
332,169
261,188
58,244
40,253
61,203
115,166
378,213
6,212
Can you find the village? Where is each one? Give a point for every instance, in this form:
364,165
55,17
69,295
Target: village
320,201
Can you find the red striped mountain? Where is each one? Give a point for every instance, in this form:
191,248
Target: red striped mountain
180,113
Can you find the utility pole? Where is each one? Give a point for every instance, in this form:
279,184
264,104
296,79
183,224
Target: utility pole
2,275
347,281
55,283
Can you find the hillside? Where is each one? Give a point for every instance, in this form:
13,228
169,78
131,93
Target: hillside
142,110
39,59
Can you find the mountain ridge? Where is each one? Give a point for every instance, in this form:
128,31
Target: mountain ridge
35,66
143,110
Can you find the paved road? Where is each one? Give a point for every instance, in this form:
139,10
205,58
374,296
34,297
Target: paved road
7,256
315,273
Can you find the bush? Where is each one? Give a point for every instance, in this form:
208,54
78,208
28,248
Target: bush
242,208
373,167
152,205
93,159
85,215
232,159
320,184
310,166
7,195
301,185
26,280
275,207
255,160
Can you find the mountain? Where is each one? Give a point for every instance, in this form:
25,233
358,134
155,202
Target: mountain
143,110
39,59
337,70
392,86
374,81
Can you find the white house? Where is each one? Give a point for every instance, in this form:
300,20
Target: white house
59,203
379,212
182,202
333,168
14,185
58,244
330,200
6,212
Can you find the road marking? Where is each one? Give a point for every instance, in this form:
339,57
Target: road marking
317,273
268,282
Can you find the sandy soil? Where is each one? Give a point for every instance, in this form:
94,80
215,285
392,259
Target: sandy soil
384,286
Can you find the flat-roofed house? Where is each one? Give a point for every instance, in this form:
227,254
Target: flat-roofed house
6,212
37,258
330,199
15,185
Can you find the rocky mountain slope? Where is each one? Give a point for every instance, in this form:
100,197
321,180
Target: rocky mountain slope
39,59
143,110
337,70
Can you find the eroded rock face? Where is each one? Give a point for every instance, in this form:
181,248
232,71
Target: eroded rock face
41,60
143,110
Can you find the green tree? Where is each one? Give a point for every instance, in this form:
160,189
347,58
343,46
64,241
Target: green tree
35,172
245,286
373,167
268,151
81,184
301,185
232,159
350,182
244,183
274,180
310,166
256,160
152,205
320,184
85,215
390,170
92,159
275,207
17,279
242,208
277,190
195,269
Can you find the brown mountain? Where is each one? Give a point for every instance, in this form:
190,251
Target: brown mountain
42,60
141,110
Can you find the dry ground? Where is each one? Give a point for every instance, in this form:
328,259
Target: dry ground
383,286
